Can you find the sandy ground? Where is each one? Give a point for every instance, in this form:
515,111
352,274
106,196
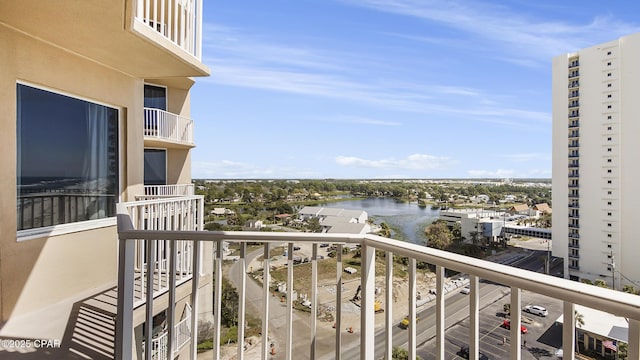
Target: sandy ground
351,310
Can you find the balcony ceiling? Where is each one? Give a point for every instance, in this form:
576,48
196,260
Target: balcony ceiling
100,30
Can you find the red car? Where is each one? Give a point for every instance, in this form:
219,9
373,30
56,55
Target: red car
507,324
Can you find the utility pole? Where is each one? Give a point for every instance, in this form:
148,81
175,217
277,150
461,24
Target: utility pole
548,257
612,265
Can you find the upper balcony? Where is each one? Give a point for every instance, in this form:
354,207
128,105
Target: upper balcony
142,38
135,229
162,128
152,192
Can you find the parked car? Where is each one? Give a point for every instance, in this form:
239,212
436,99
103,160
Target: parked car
464,353
507,324
466,290
536,310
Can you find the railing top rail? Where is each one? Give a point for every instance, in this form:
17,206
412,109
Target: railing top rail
615,302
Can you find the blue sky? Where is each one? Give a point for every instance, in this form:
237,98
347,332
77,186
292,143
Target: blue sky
387,88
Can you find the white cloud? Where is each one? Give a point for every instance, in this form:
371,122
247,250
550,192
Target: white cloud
526,157
511,27
242,61
364,120
411,162
225,169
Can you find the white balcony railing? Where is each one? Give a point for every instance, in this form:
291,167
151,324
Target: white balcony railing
163,125
160,191
154,270
517,280
160,343
179,21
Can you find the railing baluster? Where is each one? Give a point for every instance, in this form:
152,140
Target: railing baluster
569,329
151,248
633,347
146,10
474,318
242,299
388,316
412,308
314,300
217,299
266,277
289,344
162,19
171,309
195,308
440,312
124,317
514,315
339,272
367,319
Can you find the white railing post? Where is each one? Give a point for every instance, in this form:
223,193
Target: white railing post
314,300
440,312
474,318
338,319
568,330
151,248
633,347
412,308
367,319
198,40
171,309
124,318
195,289
217,299
388,316
242,298
289,344
266,279
514,318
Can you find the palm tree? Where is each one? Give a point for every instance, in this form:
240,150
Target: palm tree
577,323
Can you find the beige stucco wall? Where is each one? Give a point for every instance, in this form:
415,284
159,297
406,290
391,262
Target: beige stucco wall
39,272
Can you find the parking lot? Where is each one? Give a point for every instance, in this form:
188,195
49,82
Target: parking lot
542,338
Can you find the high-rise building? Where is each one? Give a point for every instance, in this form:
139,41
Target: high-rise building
95,99
596,120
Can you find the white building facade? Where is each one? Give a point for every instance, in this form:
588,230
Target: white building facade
595,122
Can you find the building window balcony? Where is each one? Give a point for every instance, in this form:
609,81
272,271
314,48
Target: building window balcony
161,125
179,21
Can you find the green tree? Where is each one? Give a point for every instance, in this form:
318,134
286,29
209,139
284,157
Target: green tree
622,350
456,232
600,283
384,230
399,353
578,323
438,235
229,309
314,225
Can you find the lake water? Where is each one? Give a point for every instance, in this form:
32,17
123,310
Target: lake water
409,218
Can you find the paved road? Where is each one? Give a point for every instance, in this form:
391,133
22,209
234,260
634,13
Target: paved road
456,306
492,296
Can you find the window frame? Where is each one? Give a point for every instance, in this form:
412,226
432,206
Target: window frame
78,226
